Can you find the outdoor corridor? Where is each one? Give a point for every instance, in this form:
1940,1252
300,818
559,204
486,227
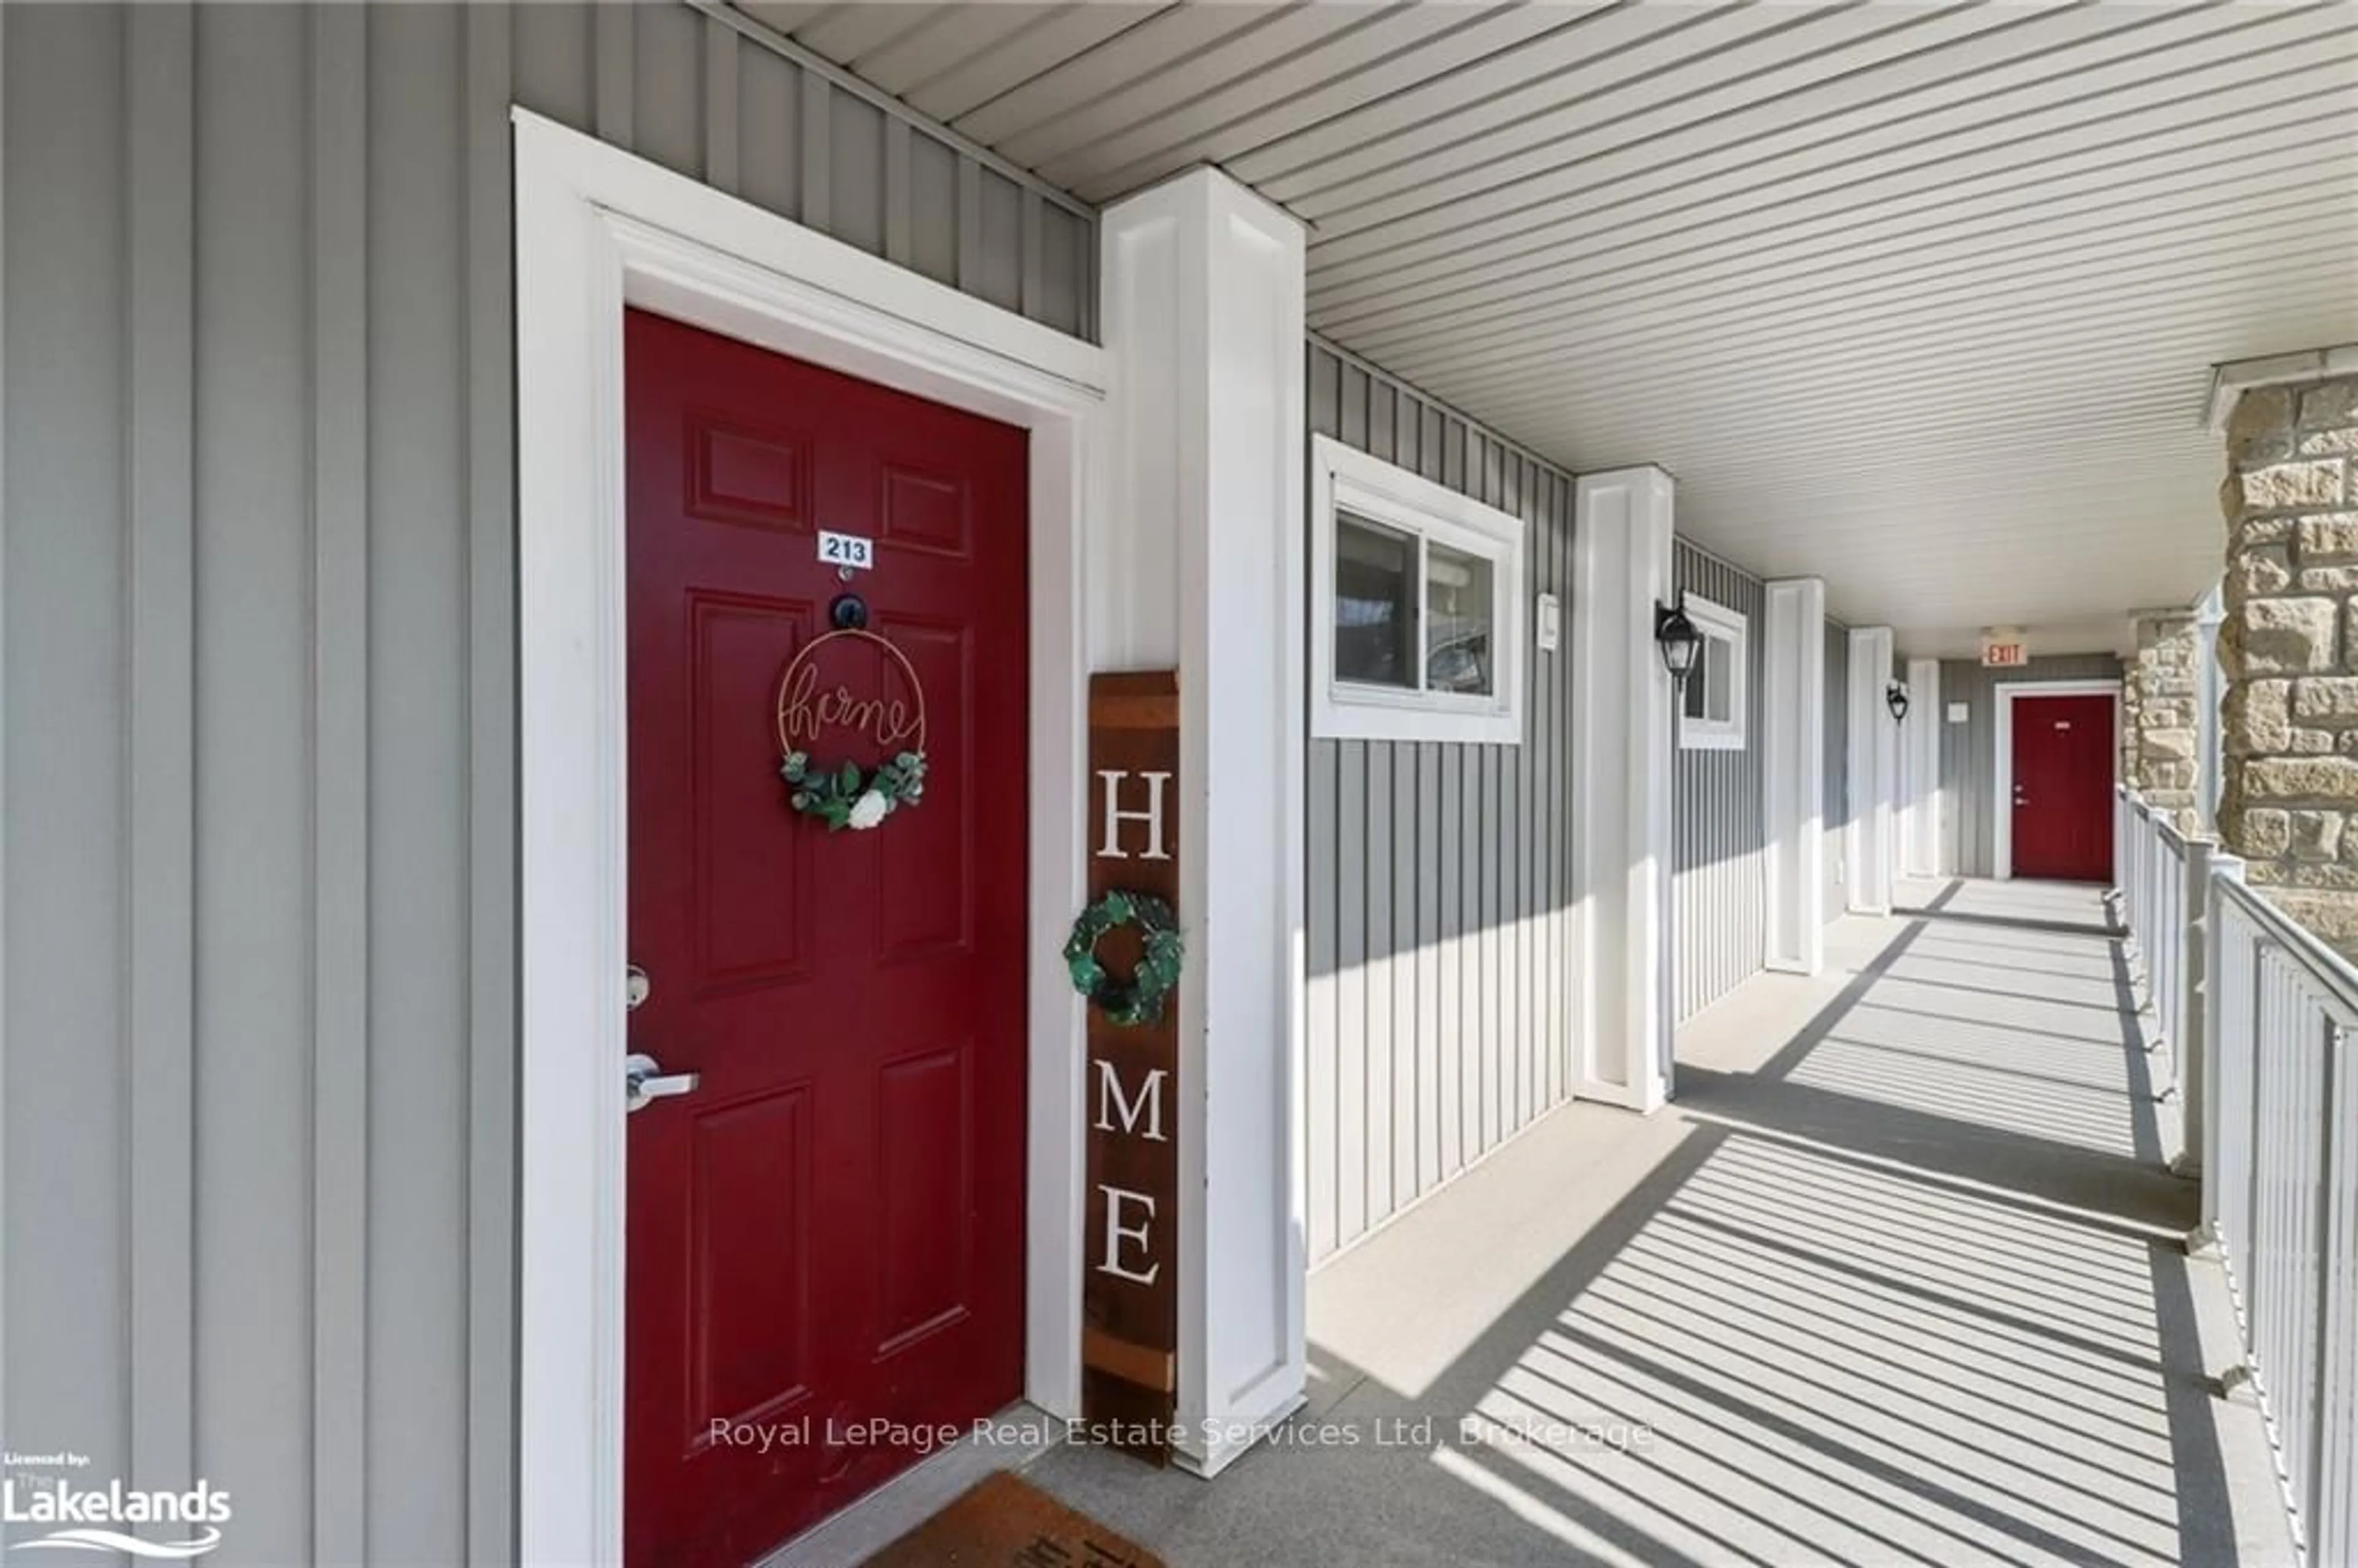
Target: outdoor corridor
1898,1279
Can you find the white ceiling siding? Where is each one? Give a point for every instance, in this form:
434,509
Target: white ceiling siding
1919,298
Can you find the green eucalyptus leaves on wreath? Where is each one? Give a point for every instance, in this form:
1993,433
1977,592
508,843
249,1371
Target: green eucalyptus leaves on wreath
1136,1000
845,794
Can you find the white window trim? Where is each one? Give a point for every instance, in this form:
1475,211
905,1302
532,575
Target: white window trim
1734,628
1340,711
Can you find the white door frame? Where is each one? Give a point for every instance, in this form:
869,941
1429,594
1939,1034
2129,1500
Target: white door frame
2002,801
597,229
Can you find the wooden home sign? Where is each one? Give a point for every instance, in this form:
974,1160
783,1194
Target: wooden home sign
1130,1287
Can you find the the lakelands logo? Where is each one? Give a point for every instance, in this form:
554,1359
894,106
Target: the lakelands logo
93,1518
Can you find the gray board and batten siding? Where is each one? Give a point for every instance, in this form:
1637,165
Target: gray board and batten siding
1718,821
1837,767
260,905
1439,882
1969,751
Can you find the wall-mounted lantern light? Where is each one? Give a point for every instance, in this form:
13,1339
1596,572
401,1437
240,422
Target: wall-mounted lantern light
1895,697
1676,635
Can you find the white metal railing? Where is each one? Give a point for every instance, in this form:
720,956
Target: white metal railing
2281,1194
2266,1017
2161,874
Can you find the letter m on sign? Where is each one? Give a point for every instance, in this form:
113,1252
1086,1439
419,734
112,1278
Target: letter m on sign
1129,1278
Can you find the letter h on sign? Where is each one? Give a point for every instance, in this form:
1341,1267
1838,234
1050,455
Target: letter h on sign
1150,817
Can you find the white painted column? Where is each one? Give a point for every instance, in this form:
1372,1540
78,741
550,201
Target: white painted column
1873,771
1794,656
1199,563
1621,803
1920,795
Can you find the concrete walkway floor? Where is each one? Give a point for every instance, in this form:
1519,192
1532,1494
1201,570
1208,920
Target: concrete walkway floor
1899,1278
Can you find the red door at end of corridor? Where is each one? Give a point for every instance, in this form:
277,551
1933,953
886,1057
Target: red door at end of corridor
2064,787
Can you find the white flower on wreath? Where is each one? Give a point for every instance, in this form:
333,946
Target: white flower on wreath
868,810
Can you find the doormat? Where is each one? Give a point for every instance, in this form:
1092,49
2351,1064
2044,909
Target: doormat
1004,1521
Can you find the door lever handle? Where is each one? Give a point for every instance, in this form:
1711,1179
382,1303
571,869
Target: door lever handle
643,1079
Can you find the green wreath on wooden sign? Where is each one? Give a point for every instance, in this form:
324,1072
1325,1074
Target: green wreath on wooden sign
1138,999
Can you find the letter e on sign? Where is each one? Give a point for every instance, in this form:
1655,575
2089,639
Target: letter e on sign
1121,1209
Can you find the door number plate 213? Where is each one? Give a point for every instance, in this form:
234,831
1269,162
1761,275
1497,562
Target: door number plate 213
847,551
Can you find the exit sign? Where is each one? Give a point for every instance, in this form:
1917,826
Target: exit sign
2004,653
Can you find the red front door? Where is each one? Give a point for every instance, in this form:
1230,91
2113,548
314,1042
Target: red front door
2064,787
825,1235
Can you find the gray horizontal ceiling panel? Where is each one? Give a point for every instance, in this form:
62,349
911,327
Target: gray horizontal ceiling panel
1070,142
1445,38
1740,191
1174,39
1310,50
2031,64
1921,300
946,41
1021,53
2273,188
2176,175
1594,49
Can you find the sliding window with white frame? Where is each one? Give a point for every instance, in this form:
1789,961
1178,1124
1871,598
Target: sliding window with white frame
1713,716
1417,602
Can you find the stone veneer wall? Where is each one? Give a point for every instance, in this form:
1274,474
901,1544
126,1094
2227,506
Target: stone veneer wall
2160,734
2288,647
